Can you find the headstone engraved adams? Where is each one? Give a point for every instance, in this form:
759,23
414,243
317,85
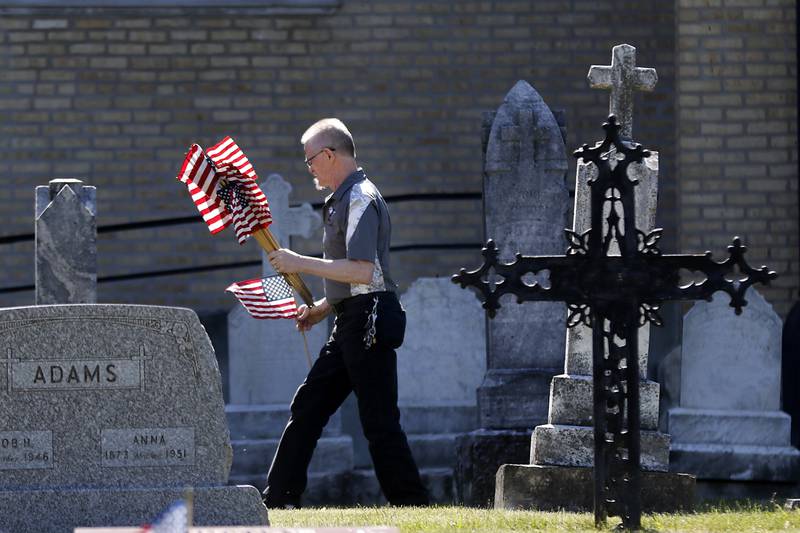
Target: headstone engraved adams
107,413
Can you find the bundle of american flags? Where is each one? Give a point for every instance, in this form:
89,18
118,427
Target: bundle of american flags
222,184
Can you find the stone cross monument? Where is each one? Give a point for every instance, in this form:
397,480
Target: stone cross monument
66,243
622,77
566,440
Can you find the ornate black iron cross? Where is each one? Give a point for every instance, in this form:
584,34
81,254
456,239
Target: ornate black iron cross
615,295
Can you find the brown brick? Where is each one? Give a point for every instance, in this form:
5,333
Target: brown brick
108,62
427,72
50,24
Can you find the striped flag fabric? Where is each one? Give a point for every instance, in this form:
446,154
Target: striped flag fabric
222,184
230,159
269,297
175,519
200,177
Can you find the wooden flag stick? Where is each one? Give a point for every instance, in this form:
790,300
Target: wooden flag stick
188,497
305,345
268,242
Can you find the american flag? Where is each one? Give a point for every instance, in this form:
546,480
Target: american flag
223,186
269,297
175,519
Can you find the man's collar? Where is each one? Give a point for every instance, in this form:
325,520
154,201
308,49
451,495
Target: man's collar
349,181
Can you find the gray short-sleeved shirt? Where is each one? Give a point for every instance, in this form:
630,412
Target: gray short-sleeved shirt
357,226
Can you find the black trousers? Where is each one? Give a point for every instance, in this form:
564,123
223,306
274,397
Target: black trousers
345,364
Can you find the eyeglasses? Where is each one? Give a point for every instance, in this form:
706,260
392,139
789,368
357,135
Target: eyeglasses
309,159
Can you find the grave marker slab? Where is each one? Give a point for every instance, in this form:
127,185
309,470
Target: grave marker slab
526,202
107,412
66,243
728,424
439,367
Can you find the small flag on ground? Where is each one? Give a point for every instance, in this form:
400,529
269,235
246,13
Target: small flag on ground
175,519
269,297
223,186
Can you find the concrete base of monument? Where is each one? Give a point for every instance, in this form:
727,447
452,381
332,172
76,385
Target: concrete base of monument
322,488
736,462
572,401
61,511
480,454
563,445
551,488
252,458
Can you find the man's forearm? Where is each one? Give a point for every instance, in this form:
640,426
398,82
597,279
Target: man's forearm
342,270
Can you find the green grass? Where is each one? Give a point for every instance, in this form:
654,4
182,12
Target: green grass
748,517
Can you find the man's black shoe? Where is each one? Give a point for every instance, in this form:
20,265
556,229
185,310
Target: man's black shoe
285,502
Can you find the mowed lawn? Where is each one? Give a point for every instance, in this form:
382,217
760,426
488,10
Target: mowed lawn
418,519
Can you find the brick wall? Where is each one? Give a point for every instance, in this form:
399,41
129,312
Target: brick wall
737,130
117,100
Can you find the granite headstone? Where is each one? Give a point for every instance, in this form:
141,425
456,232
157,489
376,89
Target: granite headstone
439,367
66,243
107,413
728,424
526,202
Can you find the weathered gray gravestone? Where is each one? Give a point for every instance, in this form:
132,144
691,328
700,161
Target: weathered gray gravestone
439,367
728,424
525,208
107,413
66,243
267,362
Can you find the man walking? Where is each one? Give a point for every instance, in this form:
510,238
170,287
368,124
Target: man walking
369,325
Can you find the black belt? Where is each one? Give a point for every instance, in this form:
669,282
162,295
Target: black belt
355,302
